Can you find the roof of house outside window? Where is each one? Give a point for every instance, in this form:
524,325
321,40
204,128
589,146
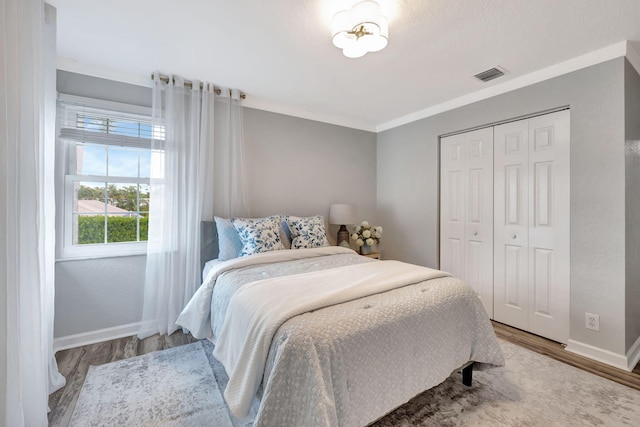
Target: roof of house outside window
98,207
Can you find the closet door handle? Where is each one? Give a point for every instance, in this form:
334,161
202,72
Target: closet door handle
514,236
475,233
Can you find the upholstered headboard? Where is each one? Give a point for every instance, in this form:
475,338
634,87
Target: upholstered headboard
208,242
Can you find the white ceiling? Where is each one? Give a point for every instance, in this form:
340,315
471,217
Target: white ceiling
280,54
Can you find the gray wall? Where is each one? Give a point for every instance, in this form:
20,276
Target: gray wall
295,166
108,90
632,205
98,293
300,167
407,195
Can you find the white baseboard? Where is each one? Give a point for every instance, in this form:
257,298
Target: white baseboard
633,355
92,337
605,356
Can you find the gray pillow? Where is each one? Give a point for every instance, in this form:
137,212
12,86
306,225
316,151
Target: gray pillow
285,233
229,243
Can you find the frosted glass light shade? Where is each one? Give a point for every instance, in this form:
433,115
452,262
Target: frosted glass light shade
360,30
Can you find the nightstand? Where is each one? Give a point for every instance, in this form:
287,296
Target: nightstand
374,255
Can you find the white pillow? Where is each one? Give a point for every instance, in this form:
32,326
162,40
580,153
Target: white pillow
259,234
307,232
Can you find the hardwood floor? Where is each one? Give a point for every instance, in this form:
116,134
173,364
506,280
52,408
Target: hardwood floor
556,351
74,363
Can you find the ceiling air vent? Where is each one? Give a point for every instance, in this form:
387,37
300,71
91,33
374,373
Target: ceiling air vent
490,74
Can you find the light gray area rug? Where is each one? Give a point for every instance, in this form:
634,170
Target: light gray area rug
173,387
531,390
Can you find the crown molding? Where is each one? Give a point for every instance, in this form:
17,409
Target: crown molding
633,56
623,48
592,58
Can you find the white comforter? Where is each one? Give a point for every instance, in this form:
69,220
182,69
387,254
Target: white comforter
196,316
349,364
257,310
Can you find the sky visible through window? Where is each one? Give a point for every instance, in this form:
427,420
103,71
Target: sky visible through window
103,160
122,161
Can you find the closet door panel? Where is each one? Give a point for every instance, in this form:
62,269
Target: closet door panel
515,260
466,210
511,221
479,215
549,225
452,165
542,282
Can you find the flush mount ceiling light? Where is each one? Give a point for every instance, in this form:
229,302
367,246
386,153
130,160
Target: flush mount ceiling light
360,30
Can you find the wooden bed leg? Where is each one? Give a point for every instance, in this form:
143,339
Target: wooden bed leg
467,374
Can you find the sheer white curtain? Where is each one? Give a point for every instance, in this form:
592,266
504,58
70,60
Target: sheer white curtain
230,195
27,249
183,183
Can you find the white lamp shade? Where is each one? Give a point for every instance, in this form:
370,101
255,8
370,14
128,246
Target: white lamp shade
342,214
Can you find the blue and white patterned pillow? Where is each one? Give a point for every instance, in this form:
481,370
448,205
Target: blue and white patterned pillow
229,243
307,232
258,234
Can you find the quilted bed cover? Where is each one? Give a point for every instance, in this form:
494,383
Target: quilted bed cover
349,364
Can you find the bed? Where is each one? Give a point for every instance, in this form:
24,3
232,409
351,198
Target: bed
327,337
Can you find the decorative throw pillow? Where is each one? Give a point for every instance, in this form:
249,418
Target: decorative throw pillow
229,243
307,232
258,234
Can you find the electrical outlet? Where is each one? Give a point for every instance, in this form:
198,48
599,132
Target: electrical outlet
592,321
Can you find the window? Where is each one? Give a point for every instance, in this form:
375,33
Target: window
108,160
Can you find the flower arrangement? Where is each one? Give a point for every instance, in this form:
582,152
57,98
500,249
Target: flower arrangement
364,234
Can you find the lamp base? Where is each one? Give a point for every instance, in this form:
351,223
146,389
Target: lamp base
343,237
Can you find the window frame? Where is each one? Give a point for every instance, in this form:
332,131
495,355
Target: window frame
66,155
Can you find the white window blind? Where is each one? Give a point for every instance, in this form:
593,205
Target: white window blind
84,119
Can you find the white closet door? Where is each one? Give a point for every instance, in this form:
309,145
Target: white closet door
549,219
531,251
466,237
511,222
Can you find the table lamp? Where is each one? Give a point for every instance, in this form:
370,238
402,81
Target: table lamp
342,214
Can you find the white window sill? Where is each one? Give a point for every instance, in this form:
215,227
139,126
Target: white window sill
87,252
